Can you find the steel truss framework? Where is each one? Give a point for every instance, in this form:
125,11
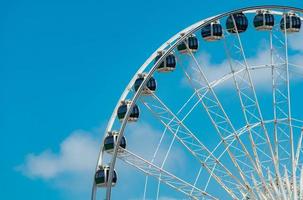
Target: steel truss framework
265,168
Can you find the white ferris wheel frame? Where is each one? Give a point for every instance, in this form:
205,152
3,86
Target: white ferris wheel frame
167,48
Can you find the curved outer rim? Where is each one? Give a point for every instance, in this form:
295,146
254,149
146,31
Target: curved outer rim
177,38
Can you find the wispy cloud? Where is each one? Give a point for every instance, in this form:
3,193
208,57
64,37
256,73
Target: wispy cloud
77,154
143,140
261,77
296,41
215,71
71,168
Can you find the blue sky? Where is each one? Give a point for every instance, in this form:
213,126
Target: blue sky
63,66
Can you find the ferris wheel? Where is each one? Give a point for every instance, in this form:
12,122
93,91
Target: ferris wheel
214,113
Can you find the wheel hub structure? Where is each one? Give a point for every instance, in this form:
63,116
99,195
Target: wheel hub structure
214,113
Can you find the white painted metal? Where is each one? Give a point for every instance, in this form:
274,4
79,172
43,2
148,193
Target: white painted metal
163,176
150,68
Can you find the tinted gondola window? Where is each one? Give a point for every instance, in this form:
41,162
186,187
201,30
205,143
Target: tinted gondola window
217,30
122,111
170,60
264,21
114,179
292,24
100,177
151,84
109,140
236,23
161,65
269,19
206,31
123,142
138,82
135,112
168,64
258,20
212,32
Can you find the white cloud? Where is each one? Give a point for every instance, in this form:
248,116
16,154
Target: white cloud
296,41
77,154
261,77
215,71
143,139
70,170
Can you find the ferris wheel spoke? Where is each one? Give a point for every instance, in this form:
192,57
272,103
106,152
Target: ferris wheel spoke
299,148
275,189
192,144
291,138
197,178
152,161
164,161
250,104
214,167
282,103
162,175
219,118
280,97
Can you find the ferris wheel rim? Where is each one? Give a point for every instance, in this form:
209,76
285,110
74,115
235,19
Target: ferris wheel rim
177,38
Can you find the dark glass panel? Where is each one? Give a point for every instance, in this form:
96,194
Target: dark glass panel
122,111
151,84
109,142
123,142
206,31
135,112
99,177
138,82
161,65
241,23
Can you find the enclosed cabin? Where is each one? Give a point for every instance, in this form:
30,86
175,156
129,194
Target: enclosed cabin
212,31
150,87
102,177
111,140
123,108
264,20
188,45
236,23
293,23
168,64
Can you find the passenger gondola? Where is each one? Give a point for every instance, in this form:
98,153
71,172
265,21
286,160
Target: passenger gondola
189,45
168,64
293,23
102,176
264,21
150,87
237,22
134,115
212,31
111,140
